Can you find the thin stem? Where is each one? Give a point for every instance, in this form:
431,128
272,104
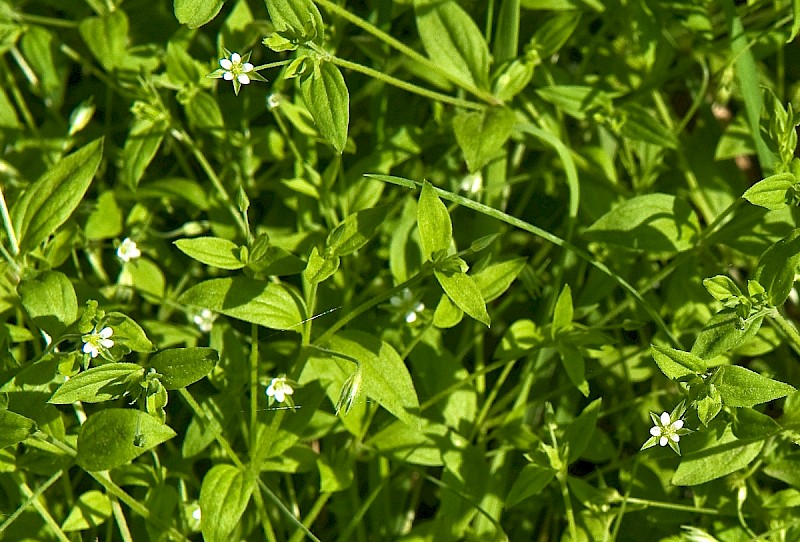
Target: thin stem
12,238
311,516
253,385
410,87
428,64
787,328
213,426
32,498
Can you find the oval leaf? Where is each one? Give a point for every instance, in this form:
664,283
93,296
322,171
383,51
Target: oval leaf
14,428
98,384
50,201
714,457
328,100
268,304
180,367
740,387
50,301
433,221
223,498
108,438
677,364
213,251
724,332
196,13
463,291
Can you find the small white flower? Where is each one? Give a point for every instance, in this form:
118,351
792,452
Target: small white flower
279,389
234,67
667,429
128,250
93,342
204,320
406,302
197,514
274,100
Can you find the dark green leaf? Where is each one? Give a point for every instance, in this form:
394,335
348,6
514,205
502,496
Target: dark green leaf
14,428
108,438
301,17
579,432
326,96
107,38
50,301
355,231
224,495
777,267
180,367
677,364
532,479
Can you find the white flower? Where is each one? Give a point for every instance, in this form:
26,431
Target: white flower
274,100
93,342
234,67
472,183
406,302
128,250
667,429
279,389
204,320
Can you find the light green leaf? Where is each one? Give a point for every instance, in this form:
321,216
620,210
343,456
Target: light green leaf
574,364
777,267
562,315
649,223
326,96
300,17
677,364
224,495
722,288
50,201
447,314
772,192
107,38
433,221
576,101
105,222
91,509
519,339
196,13
98,384
740,387
453,40
495,279
268,304
385,378
724,332
355,231
50,301
213,251
180,367
708,404
320,268
415,445
14,428
463,291
481,135
532,479
707,457
109,438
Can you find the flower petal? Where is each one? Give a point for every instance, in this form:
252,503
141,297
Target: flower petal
663,441
674,437
247,67
236,58
677,424
226,64
228,76
665,419
243,78
655,431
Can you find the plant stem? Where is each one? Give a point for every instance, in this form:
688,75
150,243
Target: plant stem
12,238
409,52
787,328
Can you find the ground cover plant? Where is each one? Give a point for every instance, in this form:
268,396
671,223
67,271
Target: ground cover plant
399,270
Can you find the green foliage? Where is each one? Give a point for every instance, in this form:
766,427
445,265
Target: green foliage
430,270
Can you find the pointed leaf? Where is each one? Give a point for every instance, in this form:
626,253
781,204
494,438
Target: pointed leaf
224,496
326,96
213,251
707,457
481,135
463,291
433,221
196,13
180,367
98,384
14,428
677,364
50,301
740,387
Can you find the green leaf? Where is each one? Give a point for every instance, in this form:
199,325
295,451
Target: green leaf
301,17
128,333
579,432
50,201
98,384
562,315
496,278
14,428
649,223
267,304
385,378
447,314
532,479
740,387
213,251
576,101
416,445
108,438
481,135
320,268
724,332
453,40
712,455
722,288
772,192
777,267
708,404
196,13
180,367
641,125
224,495
572,360
676,364
522,336
751,424
355,231
91,509
105,221
107,38
50,301
433,221
463,291
140,148
326,96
